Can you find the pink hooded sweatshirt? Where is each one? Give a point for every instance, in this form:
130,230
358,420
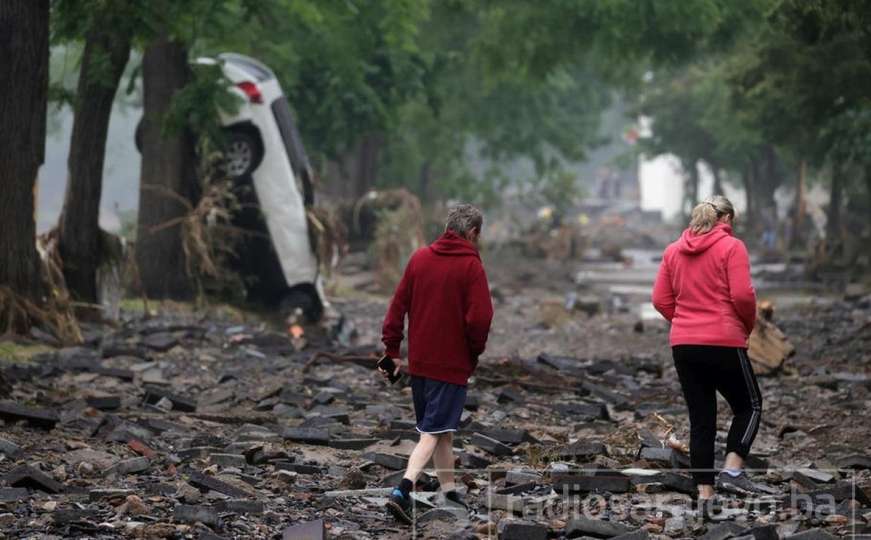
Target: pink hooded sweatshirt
703,288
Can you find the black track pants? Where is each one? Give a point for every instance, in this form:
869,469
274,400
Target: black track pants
703,371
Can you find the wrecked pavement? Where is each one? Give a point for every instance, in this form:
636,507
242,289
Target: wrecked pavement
179,427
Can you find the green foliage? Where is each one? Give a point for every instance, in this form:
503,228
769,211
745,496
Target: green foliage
199,105
347,67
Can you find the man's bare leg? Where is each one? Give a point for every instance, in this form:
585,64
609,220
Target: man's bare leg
443,459
421,455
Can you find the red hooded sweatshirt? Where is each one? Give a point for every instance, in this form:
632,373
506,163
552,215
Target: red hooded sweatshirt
703,288
445,293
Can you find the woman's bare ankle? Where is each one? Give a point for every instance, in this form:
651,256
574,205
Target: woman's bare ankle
706,491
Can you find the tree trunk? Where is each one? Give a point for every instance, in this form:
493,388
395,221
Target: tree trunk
718,179
167,183
425,179
105,55
868,193
768,181
833,225
23,102
799,207
748,178
691,193
366,170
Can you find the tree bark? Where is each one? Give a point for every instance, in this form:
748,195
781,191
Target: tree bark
748,178
799,208
768,182
105,55
425,179
718,179
691,193
366,171
23,102
868,193
168,184
833,224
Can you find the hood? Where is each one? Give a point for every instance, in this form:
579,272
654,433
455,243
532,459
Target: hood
692,243
453,245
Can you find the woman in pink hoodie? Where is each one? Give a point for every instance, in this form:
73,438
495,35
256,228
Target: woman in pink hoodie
703,288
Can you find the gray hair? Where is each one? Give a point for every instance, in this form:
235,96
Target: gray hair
464,218
706,214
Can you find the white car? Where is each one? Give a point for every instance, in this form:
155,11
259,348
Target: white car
263,147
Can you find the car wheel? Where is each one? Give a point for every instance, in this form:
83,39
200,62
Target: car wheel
304,298
242,154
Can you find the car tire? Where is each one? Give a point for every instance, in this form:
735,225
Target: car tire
304,297
242,153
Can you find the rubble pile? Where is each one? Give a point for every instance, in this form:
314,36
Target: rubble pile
174,427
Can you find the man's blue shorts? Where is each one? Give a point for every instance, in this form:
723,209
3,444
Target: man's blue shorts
437,405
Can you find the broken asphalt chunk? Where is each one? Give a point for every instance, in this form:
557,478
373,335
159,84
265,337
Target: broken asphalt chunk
311,530
108,494
240,506
522,530
812,534
583,410
472,461
205,514
582,483
490,445
130,466
160,342
11,411
723,531
388,461
26,476
640,534
123,374
104,403
583,450
154,394
507,436
72,515
764,532
206,483
12,494
610,396
9,448
351,444
855,461
595,527
307,435
228,460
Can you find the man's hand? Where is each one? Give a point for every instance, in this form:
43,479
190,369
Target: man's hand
386,375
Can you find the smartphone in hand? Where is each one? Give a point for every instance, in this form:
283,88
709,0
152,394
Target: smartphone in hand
387,365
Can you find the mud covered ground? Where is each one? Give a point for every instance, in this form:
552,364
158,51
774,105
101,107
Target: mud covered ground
202,426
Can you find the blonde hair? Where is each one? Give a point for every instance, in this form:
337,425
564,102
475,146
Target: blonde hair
706,214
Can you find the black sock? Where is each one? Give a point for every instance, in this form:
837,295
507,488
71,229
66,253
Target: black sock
405,486
454,496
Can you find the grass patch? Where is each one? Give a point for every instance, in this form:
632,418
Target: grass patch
12,352
217,310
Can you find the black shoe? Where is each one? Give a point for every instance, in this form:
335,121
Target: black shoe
740,485
400,507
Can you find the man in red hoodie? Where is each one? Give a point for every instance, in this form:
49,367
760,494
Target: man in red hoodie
445,294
